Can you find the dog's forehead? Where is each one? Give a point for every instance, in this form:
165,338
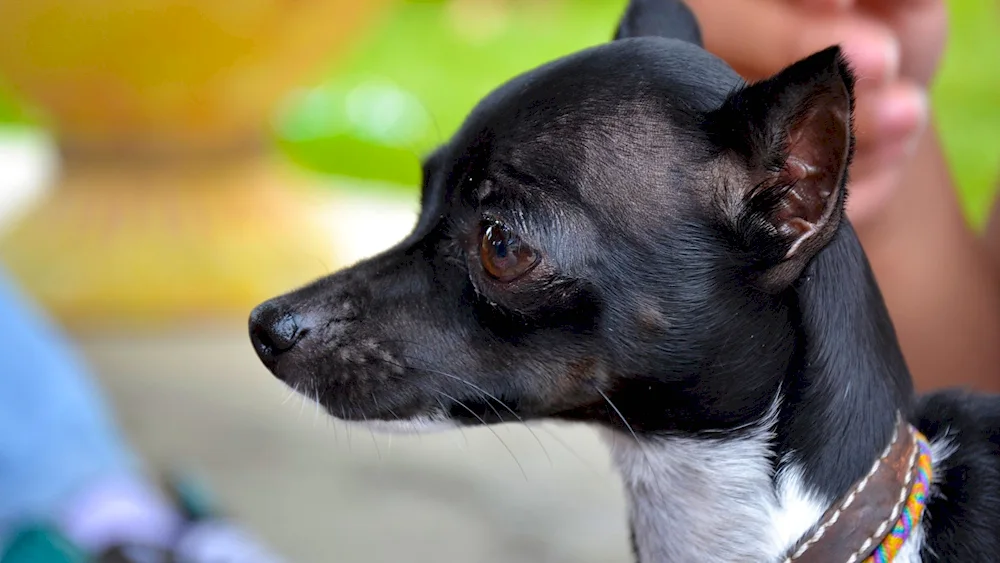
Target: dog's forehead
607,122
671,68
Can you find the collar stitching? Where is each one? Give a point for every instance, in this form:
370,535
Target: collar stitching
847,501
903,495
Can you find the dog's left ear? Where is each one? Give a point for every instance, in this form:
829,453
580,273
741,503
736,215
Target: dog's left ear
659,18
794,133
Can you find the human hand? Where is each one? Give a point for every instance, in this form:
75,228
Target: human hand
894,47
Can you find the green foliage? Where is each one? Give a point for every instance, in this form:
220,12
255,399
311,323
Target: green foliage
966,99
412,81
12,110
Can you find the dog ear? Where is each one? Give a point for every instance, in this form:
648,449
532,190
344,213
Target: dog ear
794,131
660,18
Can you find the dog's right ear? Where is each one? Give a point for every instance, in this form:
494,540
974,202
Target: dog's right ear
659,18
793,133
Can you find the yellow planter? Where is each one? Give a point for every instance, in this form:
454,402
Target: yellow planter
169,202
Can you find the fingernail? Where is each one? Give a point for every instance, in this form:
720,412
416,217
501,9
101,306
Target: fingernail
874,56
902,112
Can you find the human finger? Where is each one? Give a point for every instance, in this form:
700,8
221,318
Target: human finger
889,115
760,37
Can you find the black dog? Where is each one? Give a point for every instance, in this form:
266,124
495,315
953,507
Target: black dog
634,237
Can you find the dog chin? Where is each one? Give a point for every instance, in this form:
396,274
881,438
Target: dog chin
423,424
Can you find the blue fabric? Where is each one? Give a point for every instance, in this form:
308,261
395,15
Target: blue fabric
56,431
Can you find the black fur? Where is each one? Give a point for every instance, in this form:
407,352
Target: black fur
660,19
694,261
964,513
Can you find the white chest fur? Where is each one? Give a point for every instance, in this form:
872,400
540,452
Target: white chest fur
713,500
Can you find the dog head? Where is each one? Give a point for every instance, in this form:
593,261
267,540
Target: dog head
609,237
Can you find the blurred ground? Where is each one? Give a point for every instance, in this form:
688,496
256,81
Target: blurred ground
321,492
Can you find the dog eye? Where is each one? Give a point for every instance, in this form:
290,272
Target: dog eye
503,254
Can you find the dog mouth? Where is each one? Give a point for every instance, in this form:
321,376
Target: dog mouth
385,408
403,403
386,394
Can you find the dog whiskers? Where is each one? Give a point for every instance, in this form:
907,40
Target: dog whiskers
315,400
347,428
576,454
378,452
473,413
322,263
502,403
486,394
638,443
490,428
465,439
375,402
332,423
302,400
389,439
292,391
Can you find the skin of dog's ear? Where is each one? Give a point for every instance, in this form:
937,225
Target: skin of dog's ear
659,18
794,133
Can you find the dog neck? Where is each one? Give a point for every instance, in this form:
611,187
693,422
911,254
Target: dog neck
749,494
713,499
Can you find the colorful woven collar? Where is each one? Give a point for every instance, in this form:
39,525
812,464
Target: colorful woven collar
876,517
912,511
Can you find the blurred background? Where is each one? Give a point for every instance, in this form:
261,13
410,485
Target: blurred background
165,165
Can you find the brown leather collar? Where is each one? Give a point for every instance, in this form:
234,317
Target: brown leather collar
858,522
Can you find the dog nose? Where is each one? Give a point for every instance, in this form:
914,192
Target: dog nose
274,331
